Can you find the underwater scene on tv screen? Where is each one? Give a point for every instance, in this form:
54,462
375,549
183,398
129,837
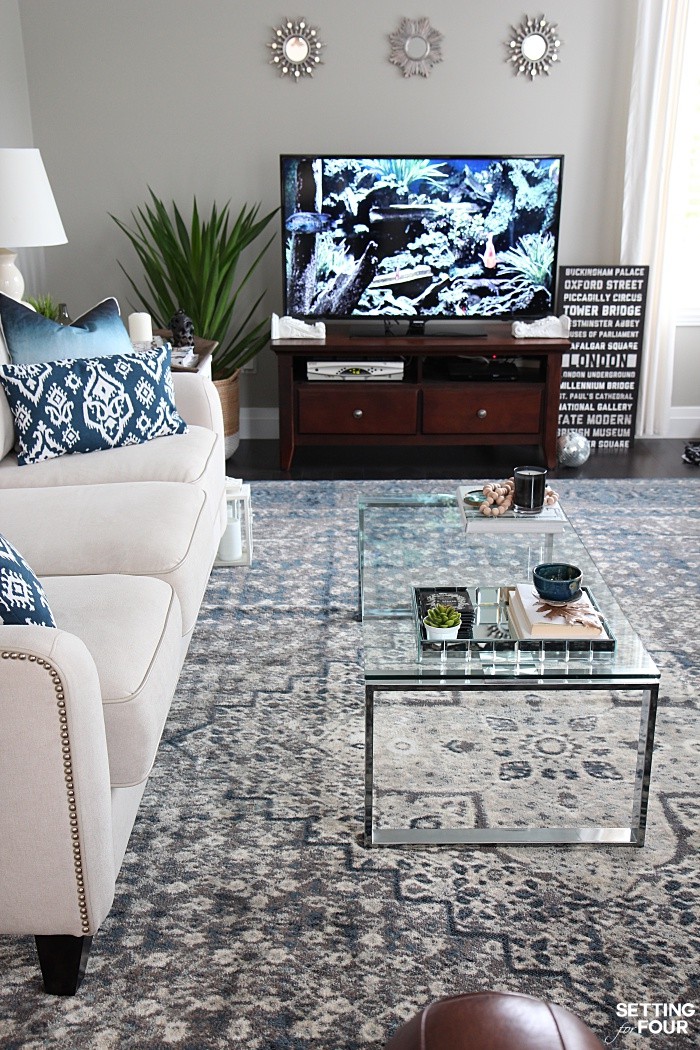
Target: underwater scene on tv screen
420,237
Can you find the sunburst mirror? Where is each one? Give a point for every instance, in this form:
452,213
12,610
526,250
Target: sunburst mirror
296,48
534,47
415,47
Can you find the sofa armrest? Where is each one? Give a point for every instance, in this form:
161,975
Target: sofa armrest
197,401
7,426
57,860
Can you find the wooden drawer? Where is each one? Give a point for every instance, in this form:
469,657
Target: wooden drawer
488,408
357,408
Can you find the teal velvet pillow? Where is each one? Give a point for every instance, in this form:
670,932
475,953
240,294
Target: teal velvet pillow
33,339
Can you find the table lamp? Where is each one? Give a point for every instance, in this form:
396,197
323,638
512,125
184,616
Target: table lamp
28,214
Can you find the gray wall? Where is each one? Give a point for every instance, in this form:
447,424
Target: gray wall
181,97
15,116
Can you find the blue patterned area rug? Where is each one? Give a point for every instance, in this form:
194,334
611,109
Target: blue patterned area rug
248,914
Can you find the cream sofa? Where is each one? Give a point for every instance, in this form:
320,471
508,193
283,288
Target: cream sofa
123,542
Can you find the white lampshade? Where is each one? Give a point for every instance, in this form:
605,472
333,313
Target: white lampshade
28,214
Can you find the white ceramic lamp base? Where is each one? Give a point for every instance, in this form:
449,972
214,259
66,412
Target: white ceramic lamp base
11,280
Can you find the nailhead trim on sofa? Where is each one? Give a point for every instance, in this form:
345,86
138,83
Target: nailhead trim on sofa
68,777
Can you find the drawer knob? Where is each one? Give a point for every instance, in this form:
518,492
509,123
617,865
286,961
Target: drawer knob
482,413
358,413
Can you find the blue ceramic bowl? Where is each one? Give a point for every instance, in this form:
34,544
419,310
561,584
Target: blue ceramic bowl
557,582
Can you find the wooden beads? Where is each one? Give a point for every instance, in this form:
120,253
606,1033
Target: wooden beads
499,497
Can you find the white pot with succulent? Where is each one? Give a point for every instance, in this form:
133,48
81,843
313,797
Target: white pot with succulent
442,623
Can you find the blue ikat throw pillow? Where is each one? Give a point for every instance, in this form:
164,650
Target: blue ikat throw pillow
90,404
22,598
32,338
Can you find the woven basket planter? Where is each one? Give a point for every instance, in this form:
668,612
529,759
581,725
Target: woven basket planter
229,395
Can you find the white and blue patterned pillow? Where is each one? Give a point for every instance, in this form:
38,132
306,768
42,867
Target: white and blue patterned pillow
88,404
22,598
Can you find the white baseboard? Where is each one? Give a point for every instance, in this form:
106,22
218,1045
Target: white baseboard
683,422
259,423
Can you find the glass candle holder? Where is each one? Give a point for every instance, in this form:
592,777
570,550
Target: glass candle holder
530,486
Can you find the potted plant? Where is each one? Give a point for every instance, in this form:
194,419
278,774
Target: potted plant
45,305
442,623
194,268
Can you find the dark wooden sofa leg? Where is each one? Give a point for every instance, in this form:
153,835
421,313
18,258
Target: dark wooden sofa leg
63,960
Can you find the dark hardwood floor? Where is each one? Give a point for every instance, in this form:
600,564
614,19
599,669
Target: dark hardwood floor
259,460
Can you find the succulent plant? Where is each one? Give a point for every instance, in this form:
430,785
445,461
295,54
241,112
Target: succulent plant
443,616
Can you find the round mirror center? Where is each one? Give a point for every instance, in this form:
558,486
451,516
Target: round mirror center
534,47
296,49
417,48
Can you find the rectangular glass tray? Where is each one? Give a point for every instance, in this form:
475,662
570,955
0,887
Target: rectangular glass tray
492,632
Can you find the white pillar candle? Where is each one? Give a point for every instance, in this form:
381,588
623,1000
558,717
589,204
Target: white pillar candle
231,544
140,328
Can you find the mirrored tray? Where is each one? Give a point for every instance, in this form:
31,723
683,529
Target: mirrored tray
492,631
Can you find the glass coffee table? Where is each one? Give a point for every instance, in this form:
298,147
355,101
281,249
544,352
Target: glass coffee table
491,740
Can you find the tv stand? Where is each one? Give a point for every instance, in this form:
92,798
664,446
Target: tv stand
427,406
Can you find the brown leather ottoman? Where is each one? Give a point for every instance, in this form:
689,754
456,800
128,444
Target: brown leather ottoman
494,1021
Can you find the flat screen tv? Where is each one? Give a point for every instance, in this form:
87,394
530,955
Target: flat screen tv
397,238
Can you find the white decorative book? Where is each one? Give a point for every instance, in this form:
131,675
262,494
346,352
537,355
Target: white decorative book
533,618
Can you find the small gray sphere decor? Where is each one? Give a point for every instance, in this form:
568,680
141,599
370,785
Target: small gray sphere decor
573,449
182,328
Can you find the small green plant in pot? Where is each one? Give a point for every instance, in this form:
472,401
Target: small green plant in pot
195,267
45,305
442,622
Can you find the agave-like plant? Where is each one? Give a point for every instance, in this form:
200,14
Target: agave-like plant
194,268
